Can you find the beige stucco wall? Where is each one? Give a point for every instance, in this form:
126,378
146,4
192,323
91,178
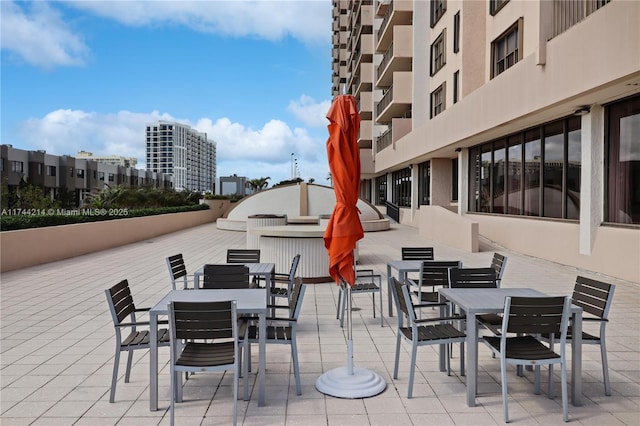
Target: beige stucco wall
29,247
442,225
615,251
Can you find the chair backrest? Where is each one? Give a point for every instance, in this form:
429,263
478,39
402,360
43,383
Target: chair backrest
297,295
593,296
177,270
120,302
436,272
294,267
243,256
203,320
472,278
498,263
225,276
403,301
536,315
417,253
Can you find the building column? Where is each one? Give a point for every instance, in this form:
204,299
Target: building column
463,181
592,177
414,191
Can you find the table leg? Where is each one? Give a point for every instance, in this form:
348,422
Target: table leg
153,362
444,311
576,359
472,359
389,284
262,343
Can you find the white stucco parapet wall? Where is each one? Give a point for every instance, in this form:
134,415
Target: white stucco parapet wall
301,200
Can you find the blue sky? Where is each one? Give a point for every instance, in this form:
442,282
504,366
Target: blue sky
89,75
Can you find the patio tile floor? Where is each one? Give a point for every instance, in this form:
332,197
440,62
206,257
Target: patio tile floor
57,348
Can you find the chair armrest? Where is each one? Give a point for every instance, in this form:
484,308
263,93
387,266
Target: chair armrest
595,319
439,319
430,305
281,319
142,309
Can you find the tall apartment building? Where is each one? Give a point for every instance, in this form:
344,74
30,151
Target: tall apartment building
109,159
183,152
522,117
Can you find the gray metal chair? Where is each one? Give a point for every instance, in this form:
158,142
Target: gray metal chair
286,279
434,274
178,272
417,253
281,330
123,312
419,332
367,281
210,330
498,263
527,317
595,298
221,276
243,256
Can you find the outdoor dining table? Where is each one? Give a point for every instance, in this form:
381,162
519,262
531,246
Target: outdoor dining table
475,301
248,301
403,267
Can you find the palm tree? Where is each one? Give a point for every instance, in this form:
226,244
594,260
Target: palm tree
258,184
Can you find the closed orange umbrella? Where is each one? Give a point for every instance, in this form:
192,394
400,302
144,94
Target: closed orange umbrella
343,231
344,228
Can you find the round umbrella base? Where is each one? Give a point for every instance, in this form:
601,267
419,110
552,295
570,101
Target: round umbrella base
362,383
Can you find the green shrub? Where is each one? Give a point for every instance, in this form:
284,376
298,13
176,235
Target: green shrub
14,219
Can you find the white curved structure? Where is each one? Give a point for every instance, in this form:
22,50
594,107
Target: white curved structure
297,201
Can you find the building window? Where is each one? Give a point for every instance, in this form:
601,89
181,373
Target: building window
17,166
51,170
381,189
454,179
438,100
424,183
101,176
623,160
456,85
506,50
496,5
80,173
39,169
531,173
111,177
402,187
438,8
456,32
438,53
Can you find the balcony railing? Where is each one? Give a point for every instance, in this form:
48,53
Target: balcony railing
384,140
386,57
385,20
567,13
385,101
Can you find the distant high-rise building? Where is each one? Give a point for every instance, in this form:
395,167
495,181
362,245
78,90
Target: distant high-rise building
182,152
109,159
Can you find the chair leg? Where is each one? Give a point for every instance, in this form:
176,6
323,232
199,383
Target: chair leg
129,362
503,378
245,366
339,306
462,358
296,368
381,313
236,378
563,386
550,391
414,351
114,378
173,396
374,304
605,367
536,380
395,367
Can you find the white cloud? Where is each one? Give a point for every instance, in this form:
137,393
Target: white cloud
307,20
239,149
309,112
40,36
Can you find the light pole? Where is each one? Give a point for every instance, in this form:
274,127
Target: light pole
292,154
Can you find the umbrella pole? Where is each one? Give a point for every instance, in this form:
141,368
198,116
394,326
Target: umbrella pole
349,334
350,382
